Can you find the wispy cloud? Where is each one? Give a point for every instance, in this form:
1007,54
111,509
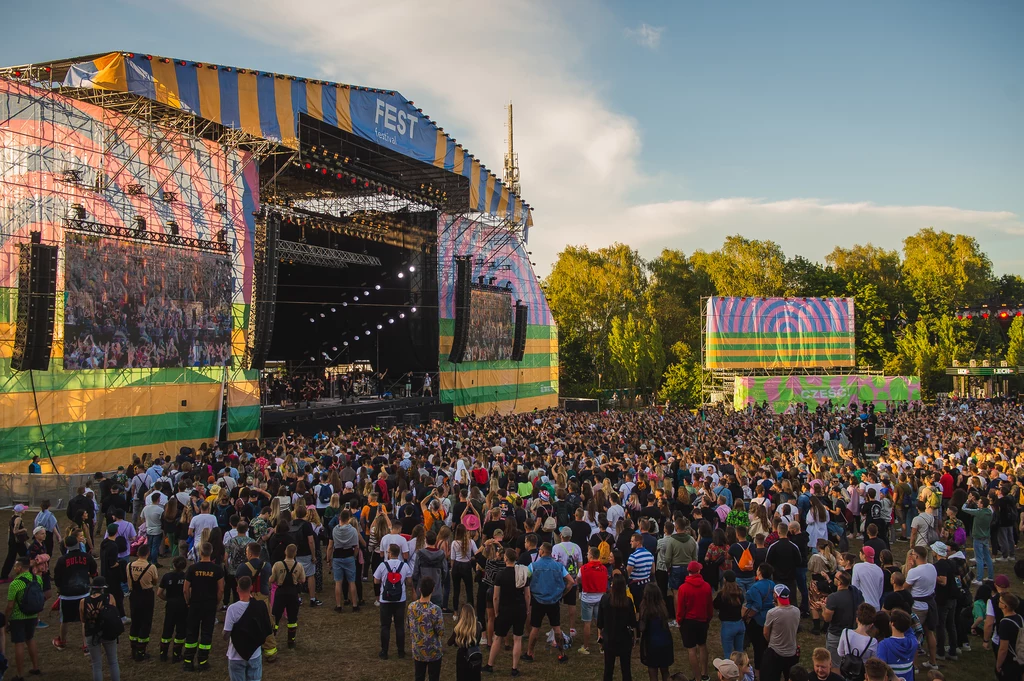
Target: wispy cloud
646,35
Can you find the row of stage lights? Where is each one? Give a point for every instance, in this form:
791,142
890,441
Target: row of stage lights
985,312
426,193
77,214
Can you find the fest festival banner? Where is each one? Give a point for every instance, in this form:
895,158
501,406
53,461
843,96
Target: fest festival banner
782,391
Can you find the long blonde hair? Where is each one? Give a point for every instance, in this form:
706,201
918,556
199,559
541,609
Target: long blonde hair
466,627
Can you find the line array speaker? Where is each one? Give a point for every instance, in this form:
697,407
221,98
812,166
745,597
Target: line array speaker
37,301
266,293
519,342
463,281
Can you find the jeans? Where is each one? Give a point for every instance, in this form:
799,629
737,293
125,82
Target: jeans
109,648
1006,542
732,636
246,670
154,541
745,583
945,636
425,670
983,554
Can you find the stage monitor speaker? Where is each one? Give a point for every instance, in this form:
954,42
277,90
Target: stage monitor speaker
519,342
411,418
37,302
385,421
266,293
463,281
436,416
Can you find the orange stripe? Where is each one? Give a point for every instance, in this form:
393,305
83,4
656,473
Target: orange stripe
285,114
474,185
344,109
209,93
440,149
249,104
460,155
166,82
314,100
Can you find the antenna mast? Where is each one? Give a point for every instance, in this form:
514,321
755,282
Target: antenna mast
511,159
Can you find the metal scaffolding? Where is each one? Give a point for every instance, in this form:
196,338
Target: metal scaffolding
318,256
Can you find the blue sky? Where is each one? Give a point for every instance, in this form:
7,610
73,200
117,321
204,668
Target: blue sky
658,123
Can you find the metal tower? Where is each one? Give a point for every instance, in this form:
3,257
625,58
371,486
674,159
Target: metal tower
511,159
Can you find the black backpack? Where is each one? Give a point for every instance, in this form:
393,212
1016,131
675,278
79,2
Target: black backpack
31,601
391,585
110,624
852,665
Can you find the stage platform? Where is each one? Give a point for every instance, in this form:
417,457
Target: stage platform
308,418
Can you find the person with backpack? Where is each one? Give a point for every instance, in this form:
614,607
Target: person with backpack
323,491
142,579
1010,653
103,627
171,592
259,573
25,601
431,562
857,645
246,627
570,556
742,553
203,589
840,612
392,575
235,554
469,658
72,576
17,542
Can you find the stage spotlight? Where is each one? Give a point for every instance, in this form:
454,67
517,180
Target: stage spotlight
368,332
356,298
401,275
412,268
357,338
333,310
366,293
377,287
391,320
322,315
380,326
346,342
334,348
344,304
401,315
413,310
311,320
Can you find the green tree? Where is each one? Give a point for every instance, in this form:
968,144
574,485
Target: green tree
871,265
676,287
745,267
926,347
682,380
636,351
1015,346
871,319
806,278
945,271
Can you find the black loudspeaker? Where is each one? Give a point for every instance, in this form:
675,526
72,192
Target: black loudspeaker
519,343
37,303
265,292
463,282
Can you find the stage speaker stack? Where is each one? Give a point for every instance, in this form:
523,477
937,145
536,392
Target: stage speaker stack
519,342
463,281
266,293
37,303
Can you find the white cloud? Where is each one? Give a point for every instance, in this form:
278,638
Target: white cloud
462,62
646,35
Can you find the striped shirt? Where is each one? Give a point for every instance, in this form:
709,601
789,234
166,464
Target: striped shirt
642,562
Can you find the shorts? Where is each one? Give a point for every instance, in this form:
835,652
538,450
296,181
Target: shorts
513,619
69,611
588,611
571,596
929,619
538,611
344,569
22,631
307,565
694,633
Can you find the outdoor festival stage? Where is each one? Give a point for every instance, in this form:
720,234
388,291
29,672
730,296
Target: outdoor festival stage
329,414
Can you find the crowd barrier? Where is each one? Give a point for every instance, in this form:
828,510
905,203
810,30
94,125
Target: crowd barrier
23,488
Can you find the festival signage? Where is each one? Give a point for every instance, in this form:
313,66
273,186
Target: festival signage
782,391
392,122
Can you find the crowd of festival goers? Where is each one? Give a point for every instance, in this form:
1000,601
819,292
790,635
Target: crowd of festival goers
507,542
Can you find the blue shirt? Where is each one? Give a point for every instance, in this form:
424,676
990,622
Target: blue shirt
760,598
547,580
46,520
641,560
724,491
34,469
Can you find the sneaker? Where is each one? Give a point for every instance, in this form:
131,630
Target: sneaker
583,650
527,658
966,647
976,582
376,604
515,672
338,608
487,668
126,620
952,658
41,624
59,643
672,624
705,678
355,609
382,655
941,657
927,666
315,603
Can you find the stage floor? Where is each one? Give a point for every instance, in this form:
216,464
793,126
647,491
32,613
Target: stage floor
330,414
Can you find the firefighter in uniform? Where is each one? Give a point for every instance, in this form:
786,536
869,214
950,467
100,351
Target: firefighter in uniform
289,576
203,590
172,593
142,580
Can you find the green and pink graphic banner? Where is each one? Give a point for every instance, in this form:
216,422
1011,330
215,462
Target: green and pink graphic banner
782,391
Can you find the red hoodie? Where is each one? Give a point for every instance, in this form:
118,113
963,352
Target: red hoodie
694,600
594,577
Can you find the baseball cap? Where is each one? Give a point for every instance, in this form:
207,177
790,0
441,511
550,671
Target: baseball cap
471,522
940,549
20,508
348,485
1002,581
782,593
566,532
727,668
693,568
869,553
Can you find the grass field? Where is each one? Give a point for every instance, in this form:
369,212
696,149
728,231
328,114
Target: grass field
345,646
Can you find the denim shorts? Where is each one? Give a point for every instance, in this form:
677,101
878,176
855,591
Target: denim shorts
344,569
588,611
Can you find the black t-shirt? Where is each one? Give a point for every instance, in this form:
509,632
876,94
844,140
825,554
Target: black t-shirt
491,525
1008,629
173,584
580,535
527,557
945,592
785,557
898,599
510,596
878,544
736,551
202,578
301,531
843,605
832,676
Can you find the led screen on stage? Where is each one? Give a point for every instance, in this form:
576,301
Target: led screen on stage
491,326
140,305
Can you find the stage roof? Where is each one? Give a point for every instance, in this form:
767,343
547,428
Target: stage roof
268,105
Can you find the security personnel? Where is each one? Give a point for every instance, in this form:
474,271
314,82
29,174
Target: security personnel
203,589
142,580
172,592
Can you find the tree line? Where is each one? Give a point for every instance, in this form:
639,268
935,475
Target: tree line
633,324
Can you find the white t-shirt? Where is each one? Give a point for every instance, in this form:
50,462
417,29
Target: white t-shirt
870,579
850,641
566,550
233,614
390,539
614,513
202,522
381,573
463,555
921,581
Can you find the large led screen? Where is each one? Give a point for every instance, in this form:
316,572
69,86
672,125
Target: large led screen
140,305
491,326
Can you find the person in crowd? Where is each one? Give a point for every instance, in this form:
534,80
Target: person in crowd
21,616
142,579
342,548
593,586
101,633
868,577
203,589
694,610
780,627
549,582
466,638
822,664
171,590
656,650
511,596
570,556
759,599
922,579
616,618
900,649
393,576
729,604
17,541
859,644
72,575
426,629
246,626
840,613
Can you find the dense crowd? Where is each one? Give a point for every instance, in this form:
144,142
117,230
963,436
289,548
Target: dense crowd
136,305
613,529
